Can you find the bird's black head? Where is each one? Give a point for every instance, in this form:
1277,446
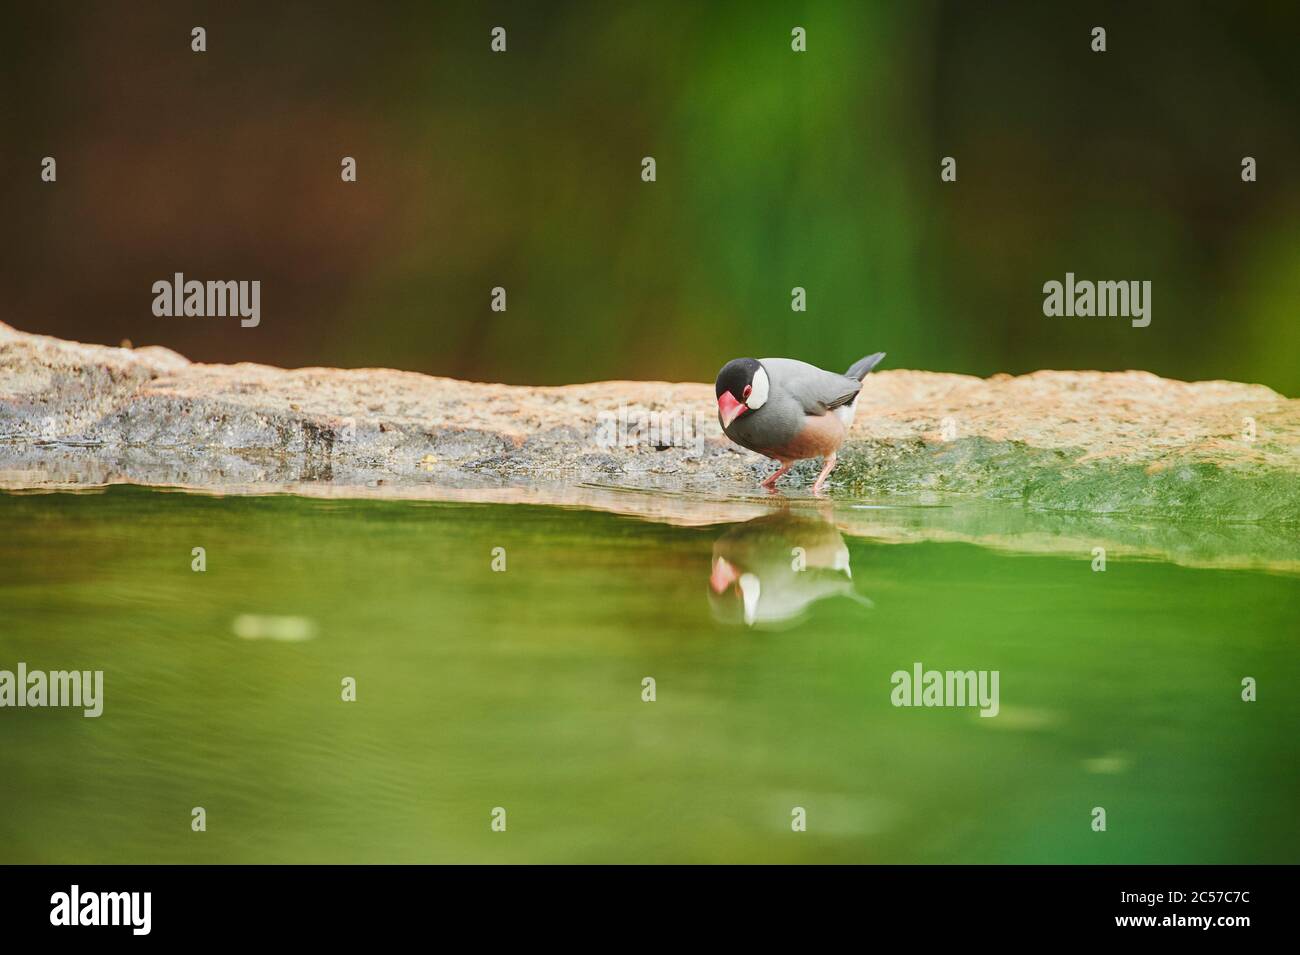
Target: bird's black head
742,386
736,376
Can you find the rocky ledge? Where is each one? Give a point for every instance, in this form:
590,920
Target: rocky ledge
1078,442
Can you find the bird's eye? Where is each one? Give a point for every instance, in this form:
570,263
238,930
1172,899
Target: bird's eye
748,389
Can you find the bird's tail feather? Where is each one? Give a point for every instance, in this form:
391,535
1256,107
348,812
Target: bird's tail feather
860,368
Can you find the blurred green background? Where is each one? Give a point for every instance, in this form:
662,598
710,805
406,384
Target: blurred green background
775,170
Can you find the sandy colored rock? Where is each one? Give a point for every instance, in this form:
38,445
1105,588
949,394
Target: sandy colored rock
1066,441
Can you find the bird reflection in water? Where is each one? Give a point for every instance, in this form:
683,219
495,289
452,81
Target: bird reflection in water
768,571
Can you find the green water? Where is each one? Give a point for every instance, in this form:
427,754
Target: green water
522,689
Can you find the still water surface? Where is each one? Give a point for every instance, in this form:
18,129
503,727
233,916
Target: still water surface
523,689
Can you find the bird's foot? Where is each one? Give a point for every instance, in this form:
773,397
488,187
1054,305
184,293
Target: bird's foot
819,485
770,482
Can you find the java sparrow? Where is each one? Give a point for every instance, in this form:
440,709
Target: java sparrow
789,410
756,579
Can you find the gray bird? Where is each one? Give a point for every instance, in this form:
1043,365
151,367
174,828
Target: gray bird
768,571
789,410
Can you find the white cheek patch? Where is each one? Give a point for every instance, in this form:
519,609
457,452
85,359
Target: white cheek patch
750,589
758,390
842,562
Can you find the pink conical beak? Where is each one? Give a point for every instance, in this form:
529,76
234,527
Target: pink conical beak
723,576
729,409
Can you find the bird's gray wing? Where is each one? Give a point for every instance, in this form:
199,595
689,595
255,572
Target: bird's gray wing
815,389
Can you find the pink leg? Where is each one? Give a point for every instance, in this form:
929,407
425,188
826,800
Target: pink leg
770,483
827,468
